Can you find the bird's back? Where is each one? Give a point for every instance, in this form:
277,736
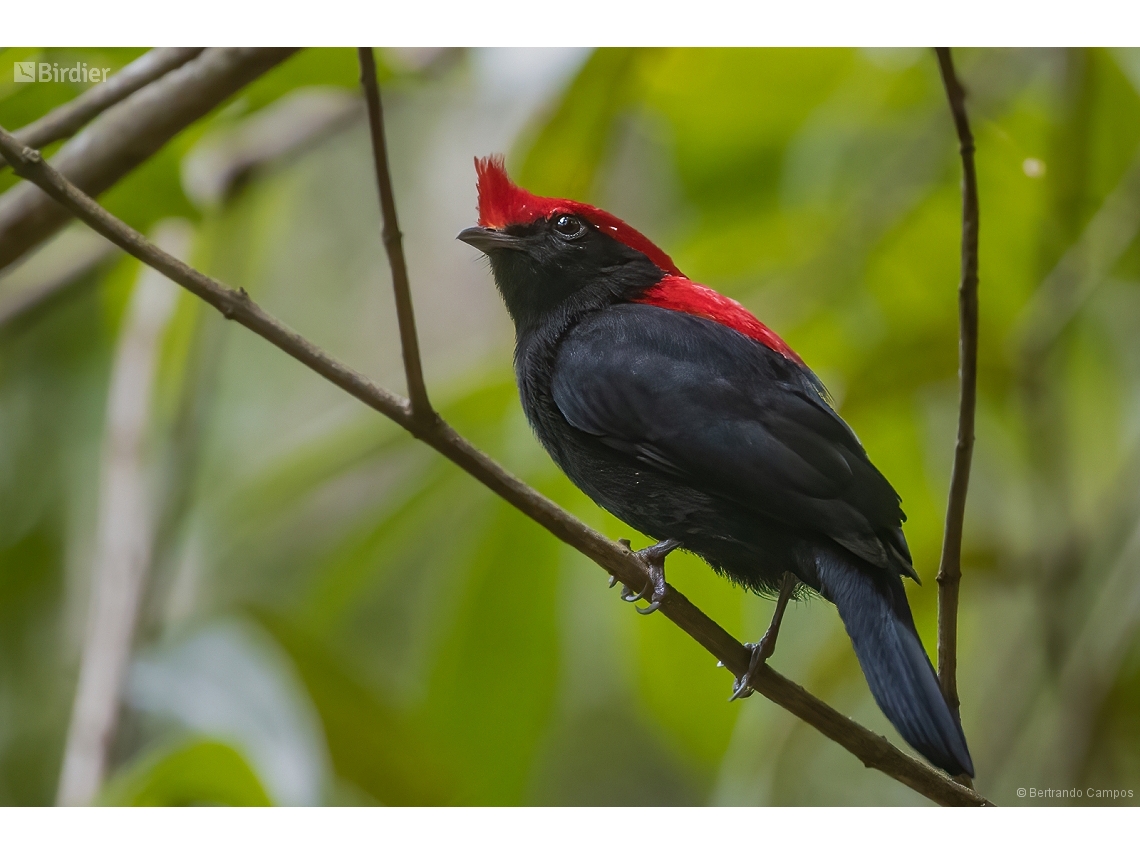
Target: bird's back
685,428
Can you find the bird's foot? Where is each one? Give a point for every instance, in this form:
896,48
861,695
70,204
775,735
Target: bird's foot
766,646
654,589
761,651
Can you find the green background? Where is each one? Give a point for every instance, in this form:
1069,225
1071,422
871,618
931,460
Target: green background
336,615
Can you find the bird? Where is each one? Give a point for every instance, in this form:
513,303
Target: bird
674,408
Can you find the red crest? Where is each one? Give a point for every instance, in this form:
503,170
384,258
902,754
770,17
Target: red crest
503,203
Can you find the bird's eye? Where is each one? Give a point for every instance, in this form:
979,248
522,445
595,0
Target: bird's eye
569,226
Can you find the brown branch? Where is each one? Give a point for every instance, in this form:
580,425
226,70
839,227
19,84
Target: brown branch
68,118
873,750
950,567
413,369
127,135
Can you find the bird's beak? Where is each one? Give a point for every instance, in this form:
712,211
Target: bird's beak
486,240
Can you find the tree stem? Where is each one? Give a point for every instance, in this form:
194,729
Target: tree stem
393,245
950,567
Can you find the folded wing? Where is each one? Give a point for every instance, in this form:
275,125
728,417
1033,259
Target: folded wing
692,398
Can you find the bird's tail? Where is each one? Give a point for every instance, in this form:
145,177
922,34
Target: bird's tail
902,680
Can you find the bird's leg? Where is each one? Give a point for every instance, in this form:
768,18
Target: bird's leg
767,645
654,589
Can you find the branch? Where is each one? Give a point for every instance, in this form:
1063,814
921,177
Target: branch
950,567
124,535
417,391
59,268
68,118
873,750
127,135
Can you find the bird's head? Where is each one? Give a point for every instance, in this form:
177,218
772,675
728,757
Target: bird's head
551,255
558,258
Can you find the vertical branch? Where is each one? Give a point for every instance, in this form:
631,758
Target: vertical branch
950,567
124,535
413,370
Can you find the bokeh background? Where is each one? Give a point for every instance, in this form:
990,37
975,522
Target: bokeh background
336,615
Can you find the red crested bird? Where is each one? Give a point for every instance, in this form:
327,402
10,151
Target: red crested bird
676,410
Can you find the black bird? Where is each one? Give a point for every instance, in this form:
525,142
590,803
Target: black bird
676,410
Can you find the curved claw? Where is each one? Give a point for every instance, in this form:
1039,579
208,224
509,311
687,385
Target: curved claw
629,596
655,588
740,687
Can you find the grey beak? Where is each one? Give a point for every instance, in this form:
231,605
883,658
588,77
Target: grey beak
486,240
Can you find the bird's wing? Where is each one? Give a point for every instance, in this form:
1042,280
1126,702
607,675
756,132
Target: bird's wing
699,401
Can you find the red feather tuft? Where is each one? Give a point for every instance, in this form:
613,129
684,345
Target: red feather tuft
503,203
683,295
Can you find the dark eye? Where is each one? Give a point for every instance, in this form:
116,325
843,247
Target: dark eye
569,226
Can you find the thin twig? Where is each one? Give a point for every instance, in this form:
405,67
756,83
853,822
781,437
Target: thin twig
413,368
873,750
127,135
950,567
68,118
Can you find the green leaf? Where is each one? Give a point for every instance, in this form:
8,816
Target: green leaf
202,772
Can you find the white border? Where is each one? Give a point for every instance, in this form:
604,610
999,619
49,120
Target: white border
573,831
573,22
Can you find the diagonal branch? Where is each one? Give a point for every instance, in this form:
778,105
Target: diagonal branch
68,118
60,268
950,567
127,135
413,369
873,750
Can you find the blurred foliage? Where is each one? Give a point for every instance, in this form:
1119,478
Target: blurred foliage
202,772
446,649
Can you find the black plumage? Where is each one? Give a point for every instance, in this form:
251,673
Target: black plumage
688,429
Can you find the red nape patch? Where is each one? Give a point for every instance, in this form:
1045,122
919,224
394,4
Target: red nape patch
683,295
503,203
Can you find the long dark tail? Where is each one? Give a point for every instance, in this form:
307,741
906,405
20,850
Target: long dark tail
902,680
